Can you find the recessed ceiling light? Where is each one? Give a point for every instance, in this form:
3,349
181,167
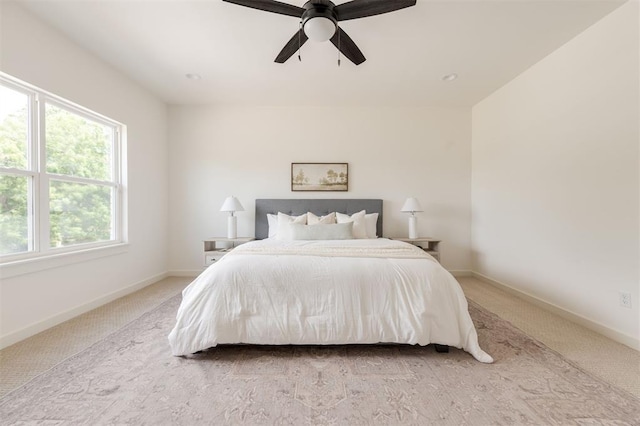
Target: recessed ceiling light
191,76
450,77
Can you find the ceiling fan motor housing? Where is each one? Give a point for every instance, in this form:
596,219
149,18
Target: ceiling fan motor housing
325,23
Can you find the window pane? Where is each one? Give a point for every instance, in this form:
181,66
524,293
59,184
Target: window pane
79,213
14,217
14,123
77,146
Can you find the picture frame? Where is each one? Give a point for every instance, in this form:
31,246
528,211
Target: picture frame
319,176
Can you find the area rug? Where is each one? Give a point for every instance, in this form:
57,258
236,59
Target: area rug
131,378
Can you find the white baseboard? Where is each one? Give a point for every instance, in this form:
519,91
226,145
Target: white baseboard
35,328
185,272
611,333
52,321
460,273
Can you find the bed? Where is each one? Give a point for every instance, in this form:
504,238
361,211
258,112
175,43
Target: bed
317,291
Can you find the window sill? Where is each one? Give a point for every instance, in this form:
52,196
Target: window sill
41,263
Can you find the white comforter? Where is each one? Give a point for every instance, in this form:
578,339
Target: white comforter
324,292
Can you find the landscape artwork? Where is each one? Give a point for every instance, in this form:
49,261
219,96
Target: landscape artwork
319,176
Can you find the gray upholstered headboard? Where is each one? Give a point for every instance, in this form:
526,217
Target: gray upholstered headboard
319,207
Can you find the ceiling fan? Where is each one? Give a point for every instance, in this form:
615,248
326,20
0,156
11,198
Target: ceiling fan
319,21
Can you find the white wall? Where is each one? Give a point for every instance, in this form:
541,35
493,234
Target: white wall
39,55
555,177
393,153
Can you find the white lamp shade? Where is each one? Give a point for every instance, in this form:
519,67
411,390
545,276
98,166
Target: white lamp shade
411,205
231,204
319,28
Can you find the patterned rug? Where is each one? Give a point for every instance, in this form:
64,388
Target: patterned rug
131,378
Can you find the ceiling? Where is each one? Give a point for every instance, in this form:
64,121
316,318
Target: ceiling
156,43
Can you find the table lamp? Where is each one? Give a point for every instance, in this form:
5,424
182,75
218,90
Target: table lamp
232,205
412,206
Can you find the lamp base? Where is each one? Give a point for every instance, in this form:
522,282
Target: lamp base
413,227
232,227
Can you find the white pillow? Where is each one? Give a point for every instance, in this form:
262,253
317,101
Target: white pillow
272,219
371,222
329,219
283,220
359,226
336,231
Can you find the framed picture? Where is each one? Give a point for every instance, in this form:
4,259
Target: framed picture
319,176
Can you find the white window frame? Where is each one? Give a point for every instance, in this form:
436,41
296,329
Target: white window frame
39,181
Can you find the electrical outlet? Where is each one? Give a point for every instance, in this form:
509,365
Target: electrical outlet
625,299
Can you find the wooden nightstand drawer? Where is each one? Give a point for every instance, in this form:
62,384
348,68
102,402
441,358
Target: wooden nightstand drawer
211,258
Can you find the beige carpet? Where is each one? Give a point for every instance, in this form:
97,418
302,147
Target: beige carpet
23,361
609,360
612,361
129,377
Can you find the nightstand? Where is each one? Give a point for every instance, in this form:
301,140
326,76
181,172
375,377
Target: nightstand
430,245
216,247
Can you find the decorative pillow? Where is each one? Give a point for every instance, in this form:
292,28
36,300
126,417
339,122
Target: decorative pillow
336,231
359,226
329,219
371,222
283,220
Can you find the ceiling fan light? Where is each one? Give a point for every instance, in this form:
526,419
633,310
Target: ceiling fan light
319,28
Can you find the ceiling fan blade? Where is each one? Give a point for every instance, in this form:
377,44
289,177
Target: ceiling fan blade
292,45
363,8
348,48
270,6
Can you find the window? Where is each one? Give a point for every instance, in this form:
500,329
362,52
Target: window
60,175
